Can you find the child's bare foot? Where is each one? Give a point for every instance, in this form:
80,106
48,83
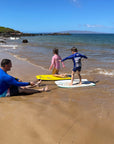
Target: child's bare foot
79,83
70,84
64,75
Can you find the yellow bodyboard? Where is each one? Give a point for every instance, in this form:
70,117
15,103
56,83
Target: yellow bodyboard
51,77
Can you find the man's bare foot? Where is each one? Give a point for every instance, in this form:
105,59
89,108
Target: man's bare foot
38,83
45,89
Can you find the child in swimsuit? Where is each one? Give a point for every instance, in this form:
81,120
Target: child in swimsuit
76,58
55,63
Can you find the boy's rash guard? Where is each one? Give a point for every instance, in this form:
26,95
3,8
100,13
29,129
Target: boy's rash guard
76,58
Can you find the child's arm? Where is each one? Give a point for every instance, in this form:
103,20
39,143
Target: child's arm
61,62
83,56
52,63
69,57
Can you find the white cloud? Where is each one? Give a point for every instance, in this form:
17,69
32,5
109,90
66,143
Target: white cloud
98,26
94,26
76,2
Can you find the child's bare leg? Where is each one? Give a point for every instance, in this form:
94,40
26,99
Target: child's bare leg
60,75
72,77
64,75
80,82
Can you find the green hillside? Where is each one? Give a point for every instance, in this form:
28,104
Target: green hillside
7,30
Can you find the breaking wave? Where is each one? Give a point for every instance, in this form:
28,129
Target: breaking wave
102,71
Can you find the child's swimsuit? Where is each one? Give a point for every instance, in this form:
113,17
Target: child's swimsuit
56,63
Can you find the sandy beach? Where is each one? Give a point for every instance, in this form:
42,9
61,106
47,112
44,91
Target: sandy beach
60,116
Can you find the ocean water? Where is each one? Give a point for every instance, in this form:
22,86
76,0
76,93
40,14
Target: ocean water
99,48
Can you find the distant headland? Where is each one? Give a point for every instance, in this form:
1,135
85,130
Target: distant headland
8,32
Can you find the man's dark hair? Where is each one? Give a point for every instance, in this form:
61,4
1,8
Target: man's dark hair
74,49
5,62
55,51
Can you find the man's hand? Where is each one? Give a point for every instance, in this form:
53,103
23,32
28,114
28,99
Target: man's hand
32,83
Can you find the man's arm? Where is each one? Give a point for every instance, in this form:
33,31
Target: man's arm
12,81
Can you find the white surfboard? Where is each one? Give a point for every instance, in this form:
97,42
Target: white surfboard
66,83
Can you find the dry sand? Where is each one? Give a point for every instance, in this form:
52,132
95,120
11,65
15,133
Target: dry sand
60,116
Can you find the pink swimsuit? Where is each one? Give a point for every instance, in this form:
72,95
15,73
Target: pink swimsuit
55,62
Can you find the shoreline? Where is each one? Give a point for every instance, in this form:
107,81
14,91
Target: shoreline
23,69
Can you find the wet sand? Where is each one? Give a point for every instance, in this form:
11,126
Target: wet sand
60,116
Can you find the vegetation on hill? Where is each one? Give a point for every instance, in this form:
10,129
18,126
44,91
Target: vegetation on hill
5,30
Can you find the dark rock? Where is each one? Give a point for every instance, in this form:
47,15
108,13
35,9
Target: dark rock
25,41
2,41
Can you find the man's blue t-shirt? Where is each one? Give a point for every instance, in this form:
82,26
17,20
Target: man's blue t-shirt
76,58
6,81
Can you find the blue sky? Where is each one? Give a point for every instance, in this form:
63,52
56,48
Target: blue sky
58,15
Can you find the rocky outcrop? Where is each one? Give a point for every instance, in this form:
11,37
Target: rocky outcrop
25,41
1,41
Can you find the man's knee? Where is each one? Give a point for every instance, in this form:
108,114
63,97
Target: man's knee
21,89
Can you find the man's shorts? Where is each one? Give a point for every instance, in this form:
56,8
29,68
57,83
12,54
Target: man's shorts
14,90
55,71
4,94
76,69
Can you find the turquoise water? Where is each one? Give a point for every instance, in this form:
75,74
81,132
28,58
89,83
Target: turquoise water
98,47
